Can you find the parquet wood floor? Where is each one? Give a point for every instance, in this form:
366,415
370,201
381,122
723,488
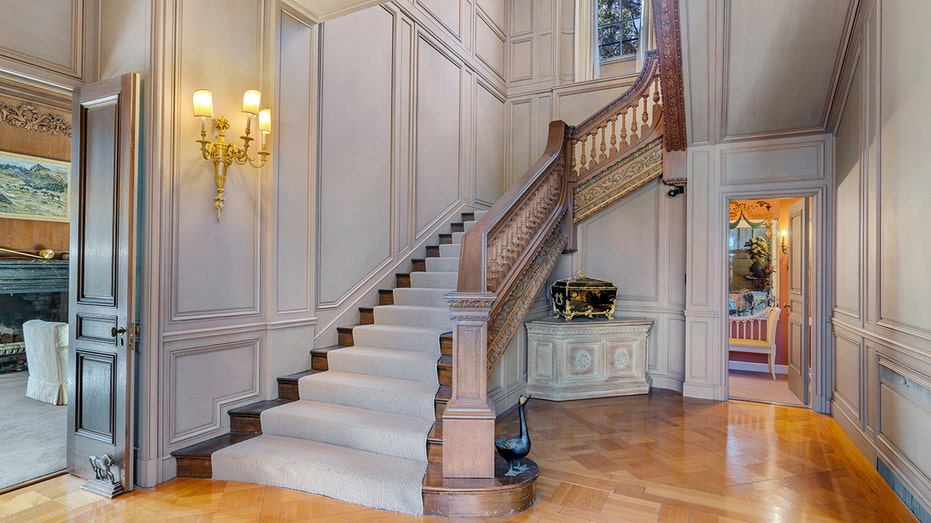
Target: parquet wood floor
657,457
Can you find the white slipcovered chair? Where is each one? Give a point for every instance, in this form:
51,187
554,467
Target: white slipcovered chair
47,359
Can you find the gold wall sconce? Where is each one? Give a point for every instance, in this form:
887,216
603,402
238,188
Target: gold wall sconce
782,243
224,153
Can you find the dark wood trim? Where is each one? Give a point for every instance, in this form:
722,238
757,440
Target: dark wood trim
669,45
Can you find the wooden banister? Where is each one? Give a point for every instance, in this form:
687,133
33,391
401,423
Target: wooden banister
507,255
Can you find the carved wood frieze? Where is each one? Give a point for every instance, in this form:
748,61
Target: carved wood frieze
624,177
509,313
669,45
27,116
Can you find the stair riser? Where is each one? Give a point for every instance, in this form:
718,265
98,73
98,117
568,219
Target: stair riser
288,391
319,362
240,424
345,337
386,296
435,452
189,467
366,315
444,374
434,280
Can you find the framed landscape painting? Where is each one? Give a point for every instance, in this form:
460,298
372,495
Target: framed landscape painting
33,188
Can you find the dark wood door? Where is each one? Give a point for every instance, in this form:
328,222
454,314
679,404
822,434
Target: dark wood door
102,328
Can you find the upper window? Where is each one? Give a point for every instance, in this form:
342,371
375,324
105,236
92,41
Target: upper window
618,28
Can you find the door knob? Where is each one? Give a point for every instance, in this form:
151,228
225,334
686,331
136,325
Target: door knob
114,331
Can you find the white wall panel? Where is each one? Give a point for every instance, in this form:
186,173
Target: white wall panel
520,134
121,23
446,12
906,289
494,10
574,107
905,399
847,182
438,133
356,150
622,245
489,146
848,370
199,286
293,208
521,60
204,381
521,17
489,46
773,163
48,37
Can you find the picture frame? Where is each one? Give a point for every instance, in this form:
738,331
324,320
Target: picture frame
34,188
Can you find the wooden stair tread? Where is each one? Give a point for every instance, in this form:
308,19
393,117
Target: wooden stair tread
255,409
436,432
208,447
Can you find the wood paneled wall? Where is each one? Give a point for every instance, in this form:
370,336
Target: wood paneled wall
21,109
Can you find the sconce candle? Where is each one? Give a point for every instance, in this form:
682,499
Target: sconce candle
223,153
783,243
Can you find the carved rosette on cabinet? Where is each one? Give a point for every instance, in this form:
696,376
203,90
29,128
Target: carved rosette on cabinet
587,358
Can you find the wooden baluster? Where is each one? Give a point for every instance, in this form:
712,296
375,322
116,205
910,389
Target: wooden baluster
633,124
657,108
623,129
645,117
594,137
613,136
583,159
573,163
602,156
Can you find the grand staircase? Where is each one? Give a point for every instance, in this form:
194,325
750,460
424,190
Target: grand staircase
366,423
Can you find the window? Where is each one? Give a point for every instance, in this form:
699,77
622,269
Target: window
618,28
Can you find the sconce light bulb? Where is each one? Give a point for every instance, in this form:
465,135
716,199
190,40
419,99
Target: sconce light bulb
251,100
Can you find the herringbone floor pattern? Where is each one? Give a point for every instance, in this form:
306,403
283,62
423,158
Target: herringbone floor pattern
657,457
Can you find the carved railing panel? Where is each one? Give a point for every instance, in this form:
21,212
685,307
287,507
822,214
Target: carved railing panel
633,119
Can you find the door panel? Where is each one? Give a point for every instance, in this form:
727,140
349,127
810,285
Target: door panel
103,187
798,304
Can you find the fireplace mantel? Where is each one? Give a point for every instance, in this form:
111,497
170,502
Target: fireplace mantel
33,276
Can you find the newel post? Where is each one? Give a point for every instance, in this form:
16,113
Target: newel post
469,419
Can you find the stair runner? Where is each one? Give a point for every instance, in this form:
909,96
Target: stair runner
358,432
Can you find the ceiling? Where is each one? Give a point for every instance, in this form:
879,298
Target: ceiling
323,10
761,68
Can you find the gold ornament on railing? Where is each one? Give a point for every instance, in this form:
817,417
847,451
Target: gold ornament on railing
223,153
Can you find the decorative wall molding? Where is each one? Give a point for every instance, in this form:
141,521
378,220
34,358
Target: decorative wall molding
617,181
29,117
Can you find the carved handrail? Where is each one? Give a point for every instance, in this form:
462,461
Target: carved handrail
509,252
614,129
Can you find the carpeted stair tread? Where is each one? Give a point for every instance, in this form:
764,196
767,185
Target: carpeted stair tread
434,280
390,363
457,237
424,339
354,427
406,397
442,264
356,476
414,315
421,296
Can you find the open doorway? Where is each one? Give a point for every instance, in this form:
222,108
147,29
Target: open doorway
35,151
769,300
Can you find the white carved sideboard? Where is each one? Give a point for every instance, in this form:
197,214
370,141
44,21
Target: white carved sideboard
584,358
